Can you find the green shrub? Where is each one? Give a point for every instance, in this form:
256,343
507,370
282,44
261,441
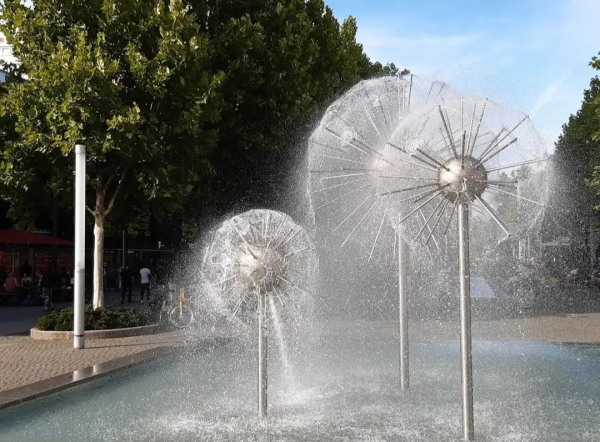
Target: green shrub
99,319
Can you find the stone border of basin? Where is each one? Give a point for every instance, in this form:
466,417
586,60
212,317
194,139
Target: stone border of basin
45,387
51,335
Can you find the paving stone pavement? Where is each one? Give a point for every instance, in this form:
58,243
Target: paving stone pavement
24,360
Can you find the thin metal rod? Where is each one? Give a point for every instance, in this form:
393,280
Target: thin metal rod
338,185
352,213
439,217
283,219
262,357
371,120
296,252
340,197
422,205
79,284
428,219
383,113
377,236
429,229
414,178
339,137
241,301
466,353
497,152
446,145
427,163
435,154
403,313
341,176
432,159
448,132
326,145
493,214
371,149
490,144
462,153
407,189
522,163
423,196
451,214
511,131
338,158
474,140
417,164
418,195
410,90
516,196
498,182
471,129
429,93
397,147
292,285
440,91
289,239
358,224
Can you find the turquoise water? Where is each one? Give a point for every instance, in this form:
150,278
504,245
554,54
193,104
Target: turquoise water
345,390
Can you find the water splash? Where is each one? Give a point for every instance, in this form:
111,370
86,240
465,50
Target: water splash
288,374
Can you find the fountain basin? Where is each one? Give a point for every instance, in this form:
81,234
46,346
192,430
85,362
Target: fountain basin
345,390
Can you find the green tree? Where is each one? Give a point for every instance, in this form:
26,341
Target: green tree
130,79
285,62
162,91
576,173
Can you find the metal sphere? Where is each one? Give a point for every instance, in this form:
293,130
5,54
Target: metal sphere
259,265
462,176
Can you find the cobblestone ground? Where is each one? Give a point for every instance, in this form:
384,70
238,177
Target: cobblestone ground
24,360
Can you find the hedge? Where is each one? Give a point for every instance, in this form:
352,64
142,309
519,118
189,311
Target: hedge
99,319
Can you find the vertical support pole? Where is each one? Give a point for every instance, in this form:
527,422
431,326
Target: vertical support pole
465,323
124,257
403,313
79,289
262,356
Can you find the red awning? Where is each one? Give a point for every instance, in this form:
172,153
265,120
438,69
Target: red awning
16,236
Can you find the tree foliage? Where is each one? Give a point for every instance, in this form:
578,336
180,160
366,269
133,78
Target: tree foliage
131,80
577,168
171,98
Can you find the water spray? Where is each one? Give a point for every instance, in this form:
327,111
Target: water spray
256,259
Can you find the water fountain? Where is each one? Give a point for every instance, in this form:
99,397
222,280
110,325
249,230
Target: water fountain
256,260
450,148
346,171
261,260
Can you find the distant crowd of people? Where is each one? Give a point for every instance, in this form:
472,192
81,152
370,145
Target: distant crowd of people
47,285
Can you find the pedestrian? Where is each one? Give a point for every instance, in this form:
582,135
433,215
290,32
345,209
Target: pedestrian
145,275
47,284
10,283
25,268
126,284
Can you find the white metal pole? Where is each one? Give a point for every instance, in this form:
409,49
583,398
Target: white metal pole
403,313
262,356
79,289
465,323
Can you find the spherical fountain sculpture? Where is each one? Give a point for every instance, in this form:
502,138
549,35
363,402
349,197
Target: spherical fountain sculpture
453,150
348,172
257,260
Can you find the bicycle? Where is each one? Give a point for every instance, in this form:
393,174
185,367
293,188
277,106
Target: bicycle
180,315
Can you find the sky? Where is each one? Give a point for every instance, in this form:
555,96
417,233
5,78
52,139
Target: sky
532,55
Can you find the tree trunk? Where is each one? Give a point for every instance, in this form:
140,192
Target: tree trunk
99,249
